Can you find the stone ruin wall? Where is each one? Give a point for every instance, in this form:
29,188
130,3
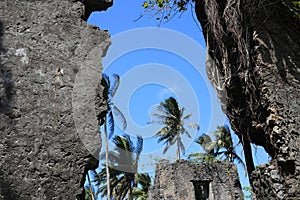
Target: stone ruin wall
45,149
174,181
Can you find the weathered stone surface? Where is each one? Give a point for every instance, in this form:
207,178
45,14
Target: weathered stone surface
48,128
254,48
175,181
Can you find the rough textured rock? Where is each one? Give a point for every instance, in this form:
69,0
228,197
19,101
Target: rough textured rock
254,48
175,181
48,128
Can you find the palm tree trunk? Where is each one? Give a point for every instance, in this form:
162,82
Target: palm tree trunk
130,193
248,155
90,186
178,151
106,161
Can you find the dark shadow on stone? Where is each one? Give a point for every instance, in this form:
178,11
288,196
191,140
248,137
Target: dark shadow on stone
6,78
290,40
92,164
95,5
201,189
5,189
1,37
288,167
6,97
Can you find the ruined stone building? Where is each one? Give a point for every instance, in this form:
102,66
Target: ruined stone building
186,180
45,150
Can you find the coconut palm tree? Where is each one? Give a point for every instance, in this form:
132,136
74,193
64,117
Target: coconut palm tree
172,117
124,172
108,93
224,141
222,146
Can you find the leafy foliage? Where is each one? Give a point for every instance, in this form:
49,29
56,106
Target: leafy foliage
296,8
109,91
171,116
88,195
164,10
125,181
141,193
89,190
220,147
201,157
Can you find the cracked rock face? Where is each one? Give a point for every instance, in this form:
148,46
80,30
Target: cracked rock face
49,73
258,62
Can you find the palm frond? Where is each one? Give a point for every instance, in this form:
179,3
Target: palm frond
187,133
129,143
160,116
139,145
203,139
181,145
209,147
145,180
193,125
161,109
187,116
240,161
111,124
164,131
207,143
220,153
115,86
170,107
105,82
100,180
121,118
166,148
120,187
166,136
227,128
141,193
123,145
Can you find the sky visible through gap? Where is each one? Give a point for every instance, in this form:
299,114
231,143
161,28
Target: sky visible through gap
156,63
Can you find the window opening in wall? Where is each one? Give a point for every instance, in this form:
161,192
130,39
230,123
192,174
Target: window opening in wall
201,190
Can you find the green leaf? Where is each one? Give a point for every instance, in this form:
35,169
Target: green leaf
145,5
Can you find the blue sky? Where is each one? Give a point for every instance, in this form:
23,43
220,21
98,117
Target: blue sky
154,64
